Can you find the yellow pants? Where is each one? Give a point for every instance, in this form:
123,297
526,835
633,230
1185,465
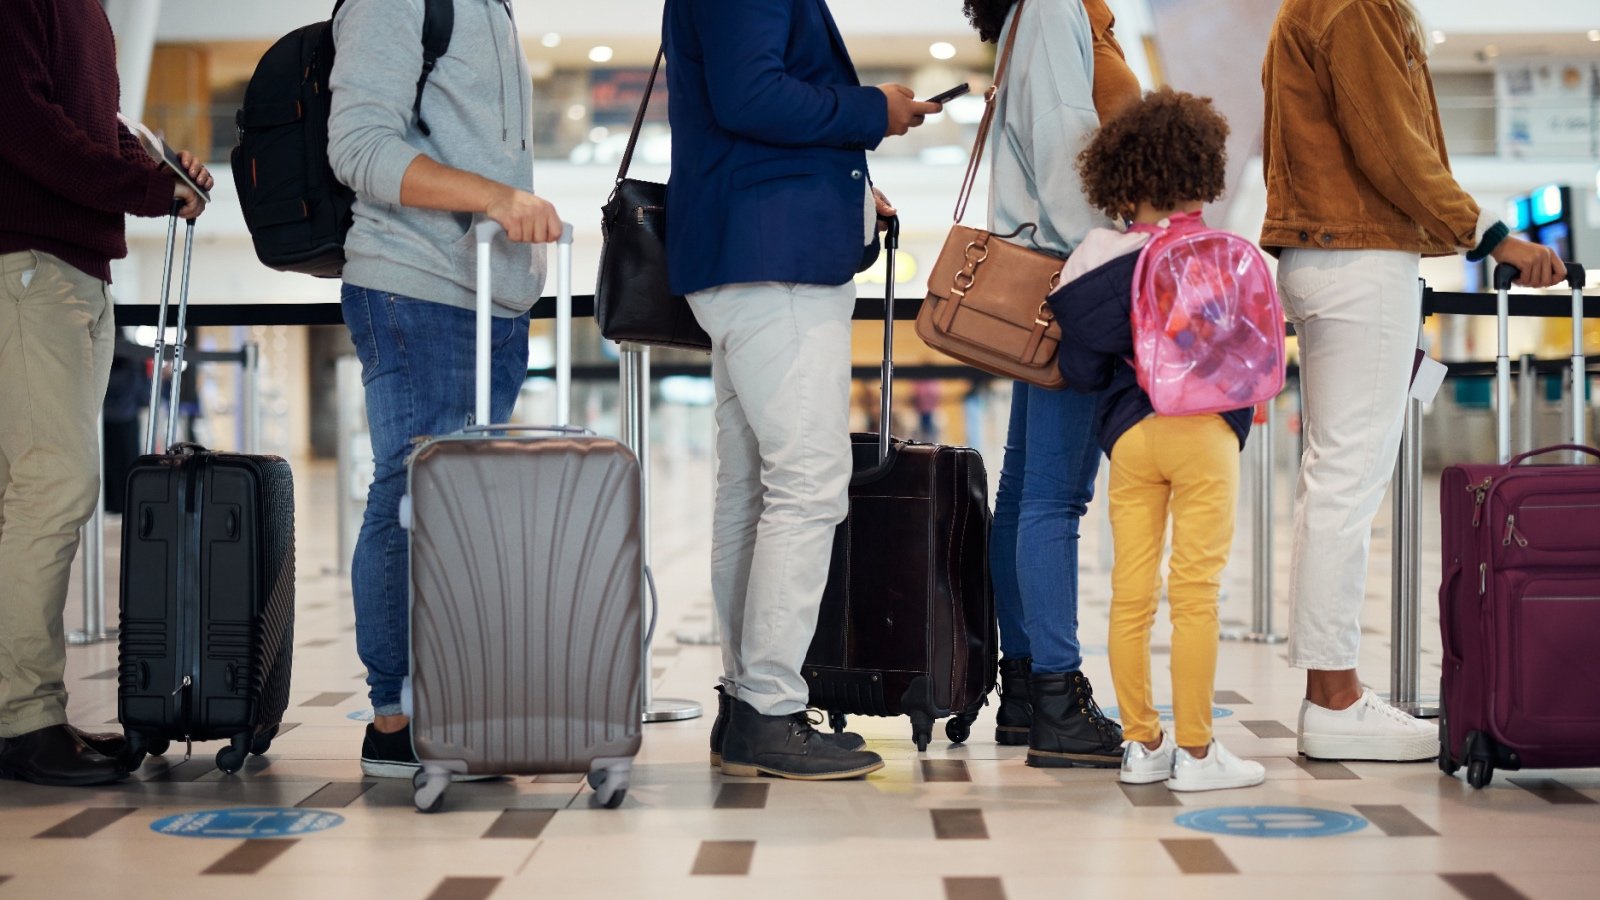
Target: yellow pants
1190,466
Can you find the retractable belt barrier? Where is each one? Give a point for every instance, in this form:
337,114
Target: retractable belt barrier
636,371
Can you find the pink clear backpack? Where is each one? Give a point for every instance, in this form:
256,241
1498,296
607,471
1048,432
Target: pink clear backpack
1207,324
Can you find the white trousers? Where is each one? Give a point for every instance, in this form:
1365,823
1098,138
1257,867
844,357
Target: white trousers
780,360
1358,315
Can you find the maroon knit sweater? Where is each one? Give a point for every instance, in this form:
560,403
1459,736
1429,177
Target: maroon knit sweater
69,171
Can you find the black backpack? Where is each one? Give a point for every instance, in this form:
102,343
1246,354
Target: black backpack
296,210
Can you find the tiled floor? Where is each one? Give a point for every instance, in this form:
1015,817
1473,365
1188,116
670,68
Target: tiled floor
963,822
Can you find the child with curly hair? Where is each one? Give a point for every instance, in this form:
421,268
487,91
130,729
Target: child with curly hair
1158,162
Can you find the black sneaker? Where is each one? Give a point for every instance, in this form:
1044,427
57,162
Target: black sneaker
1068,727
787,747
389,755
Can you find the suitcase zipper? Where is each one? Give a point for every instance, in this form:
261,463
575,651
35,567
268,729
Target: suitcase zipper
1480,493
188,742
1512,532
1483,578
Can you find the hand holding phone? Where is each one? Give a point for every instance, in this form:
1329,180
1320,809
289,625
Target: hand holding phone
949,95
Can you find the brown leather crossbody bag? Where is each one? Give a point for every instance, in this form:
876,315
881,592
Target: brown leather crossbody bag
986,295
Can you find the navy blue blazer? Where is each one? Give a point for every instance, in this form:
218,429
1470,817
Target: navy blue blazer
770,128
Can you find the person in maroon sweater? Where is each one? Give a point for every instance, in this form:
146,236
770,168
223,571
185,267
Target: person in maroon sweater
69,173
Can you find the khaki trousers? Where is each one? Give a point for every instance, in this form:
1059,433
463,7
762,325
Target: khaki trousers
56,331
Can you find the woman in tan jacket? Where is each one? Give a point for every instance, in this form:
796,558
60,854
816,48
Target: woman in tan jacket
1358,191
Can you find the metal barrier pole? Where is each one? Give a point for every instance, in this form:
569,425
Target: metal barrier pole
92,548
634,416
1263,444
1405,651
351,421
1527,389
250,397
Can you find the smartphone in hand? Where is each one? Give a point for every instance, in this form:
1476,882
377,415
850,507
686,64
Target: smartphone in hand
949,95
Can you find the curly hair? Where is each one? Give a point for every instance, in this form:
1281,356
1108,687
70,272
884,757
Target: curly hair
1168,149
988,16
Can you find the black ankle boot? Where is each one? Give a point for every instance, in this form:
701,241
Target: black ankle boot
1015,716
720,726
1068,727
787,747
844,740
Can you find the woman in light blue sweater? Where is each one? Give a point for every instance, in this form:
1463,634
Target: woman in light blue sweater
1045,113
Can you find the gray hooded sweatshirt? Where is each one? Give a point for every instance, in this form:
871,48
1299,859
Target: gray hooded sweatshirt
478,107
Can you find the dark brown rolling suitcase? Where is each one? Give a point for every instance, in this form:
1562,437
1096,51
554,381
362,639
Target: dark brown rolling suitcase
526,590
907,625
207,588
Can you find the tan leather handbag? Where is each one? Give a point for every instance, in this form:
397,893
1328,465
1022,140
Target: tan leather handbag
986,296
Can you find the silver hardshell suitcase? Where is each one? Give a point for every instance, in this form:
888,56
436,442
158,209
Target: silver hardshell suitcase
526,601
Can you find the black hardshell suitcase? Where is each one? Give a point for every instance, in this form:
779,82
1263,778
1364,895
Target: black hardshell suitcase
207,599
907,624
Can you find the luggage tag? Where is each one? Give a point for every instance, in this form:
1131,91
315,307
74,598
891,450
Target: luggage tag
1427,376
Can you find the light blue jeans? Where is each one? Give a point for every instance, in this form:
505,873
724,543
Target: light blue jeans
1046,483
417,363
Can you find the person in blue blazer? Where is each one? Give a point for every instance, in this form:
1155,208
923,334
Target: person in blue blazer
770,214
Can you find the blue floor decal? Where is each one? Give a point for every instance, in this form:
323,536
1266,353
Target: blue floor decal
263,822
1271,821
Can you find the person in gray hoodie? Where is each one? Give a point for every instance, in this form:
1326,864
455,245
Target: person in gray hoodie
421,176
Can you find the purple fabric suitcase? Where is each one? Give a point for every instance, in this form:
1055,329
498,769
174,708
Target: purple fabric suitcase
1520,599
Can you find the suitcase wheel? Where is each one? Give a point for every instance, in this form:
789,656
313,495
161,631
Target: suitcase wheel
263,741
230,759
838,721
921,729
1447,763
429,790
959,728
610,786
1480,759
158,747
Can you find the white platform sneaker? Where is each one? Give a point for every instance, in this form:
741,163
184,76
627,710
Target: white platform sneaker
1219,771
1371,729
1142,766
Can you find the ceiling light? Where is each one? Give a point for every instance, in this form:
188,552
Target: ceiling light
576,112
1594,34
599,133
1491,51
1438,37
600,54
942,50
551,39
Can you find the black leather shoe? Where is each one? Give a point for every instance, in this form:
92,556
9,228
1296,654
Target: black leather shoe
1015,716
787,747
844,740
56,756
1068,727
110,745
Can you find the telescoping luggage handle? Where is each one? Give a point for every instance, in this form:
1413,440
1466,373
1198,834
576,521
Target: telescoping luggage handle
891,243
1504,275
161,332
486,234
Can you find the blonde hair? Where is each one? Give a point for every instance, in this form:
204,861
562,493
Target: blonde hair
1412,20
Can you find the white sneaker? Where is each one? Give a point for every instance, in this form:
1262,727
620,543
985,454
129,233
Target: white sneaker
1141,766
1219,771
1370,729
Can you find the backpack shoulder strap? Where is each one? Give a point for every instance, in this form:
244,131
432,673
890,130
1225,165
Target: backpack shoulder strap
438,22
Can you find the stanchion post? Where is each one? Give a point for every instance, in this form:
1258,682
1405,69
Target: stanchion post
1263,444
634,418
1527,389
1405,651
92,548
250,397
350,422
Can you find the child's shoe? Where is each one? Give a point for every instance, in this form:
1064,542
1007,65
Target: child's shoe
1220,770
1143,766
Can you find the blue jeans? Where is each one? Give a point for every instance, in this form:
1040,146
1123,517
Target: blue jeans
417,364
1046,483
